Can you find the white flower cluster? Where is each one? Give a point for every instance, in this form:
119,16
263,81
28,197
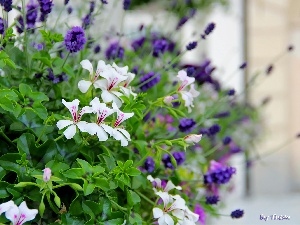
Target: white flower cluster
174,206
17,215
114,85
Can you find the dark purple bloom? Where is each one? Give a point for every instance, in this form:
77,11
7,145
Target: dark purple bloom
45,8
69,10
235,149
231,92
138,43
191,45
63,77
186,125
212,200
38,46
269,69
114,51
66,2
126,4
236,214
2,26
38,75
20,24
182,21
226,140
214,129
104,1
159,46
97,49
149,80
149,165
190,71
135,70
243,66
92,6
31,14
166,159
219,174
179,157
7,5
174,102
222,114
75,39
147,117
210,27
87,21
50,76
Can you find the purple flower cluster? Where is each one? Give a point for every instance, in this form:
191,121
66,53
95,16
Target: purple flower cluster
231,92
20,25
87,21
178,156
219,175
184,19
114,51
138,43
214,129
97,49
226,140
75,39
149,165
236,214
160,45
104,1
55,79
7,5
148,80
186,125
45,8
126,4
191,46
31,14
2,26
212,200
66,2
209,28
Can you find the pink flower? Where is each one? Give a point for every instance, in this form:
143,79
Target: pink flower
47,174
200,211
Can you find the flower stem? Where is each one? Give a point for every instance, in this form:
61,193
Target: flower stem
6,138
58,138
145,197
62,66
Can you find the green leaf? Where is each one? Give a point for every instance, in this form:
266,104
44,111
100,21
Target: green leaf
57,200
88,188
75,186
24,184
2,173
132,198
87,168
102,183
42,207
133,172
75,173
128,164
3,191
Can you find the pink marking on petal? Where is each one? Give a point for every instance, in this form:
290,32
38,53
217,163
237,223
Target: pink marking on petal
112,83
102,116
183,85
119,119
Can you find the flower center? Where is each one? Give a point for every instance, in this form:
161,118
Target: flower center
102,115
112,83
119,119
183,85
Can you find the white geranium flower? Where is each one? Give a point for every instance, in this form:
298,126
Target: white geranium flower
110,86
158,185
102,112
76,117
6,206
187,96
84,85
192,138
117,132
125,88
121,70
172,205
20,215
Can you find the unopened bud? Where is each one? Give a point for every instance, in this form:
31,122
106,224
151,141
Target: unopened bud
47,174
192,138
168,100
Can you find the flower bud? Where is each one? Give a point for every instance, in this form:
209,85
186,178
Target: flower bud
168,100
192,138
47,174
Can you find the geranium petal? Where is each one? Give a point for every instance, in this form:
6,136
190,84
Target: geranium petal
157,213
102,84
72,106
168,219
120,137
12,213
6,206
63,123
84,85
171,186
165,197
30,214
124,132
101,134
86,64
83,126
109,97
70,131
108,129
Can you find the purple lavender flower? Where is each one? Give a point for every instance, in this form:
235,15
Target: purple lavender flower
75,39
214,129
209,28
166,159
92,6
87,21
66,2
212,200
45,8
149,165
218,174
235,149
114,51
269,69
236,214
191,46
200,211
31,14
159,46
97,49
181,22
179,157
152,81
190,71
2,26
69,10
7,5
231,92
186,125
138,43
38,46
126,4
226,140
243,66
20,24
104,1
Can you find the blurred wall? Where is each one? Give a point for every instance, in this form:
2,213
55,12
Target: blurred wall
272,27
